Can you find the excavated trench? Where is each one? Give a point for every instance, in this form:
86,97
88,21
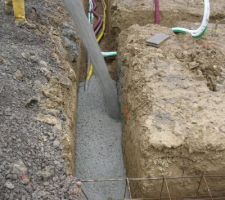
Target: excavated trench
98,143
99,139
99,152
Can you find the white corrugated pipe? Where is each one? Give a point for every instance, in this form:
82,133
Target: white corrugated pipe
204,25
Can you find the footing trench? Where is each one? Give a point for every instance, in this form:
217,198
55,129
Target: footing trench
99,152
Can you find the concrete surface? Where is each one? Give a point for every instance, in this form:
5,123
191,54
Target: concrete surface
87,35
99,152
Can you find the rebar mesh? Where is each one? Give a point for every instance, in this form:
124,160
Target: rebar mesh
203,189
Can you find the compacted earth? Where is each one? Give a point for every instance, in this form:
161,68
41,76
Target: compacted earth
171,96
172,99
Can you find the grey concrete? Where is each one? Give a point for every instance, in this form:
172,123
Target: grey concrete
87,35
99,152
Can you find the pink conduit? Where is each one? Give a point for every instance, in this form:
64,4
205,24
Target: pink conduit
99,23
157,12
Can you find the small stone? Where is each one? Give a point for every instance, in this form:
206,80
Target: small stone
65,81
46,183
25,55
37,85
72,75
45,139
43,63
193,65
8,111
18,75
51,136
57,163
14,177
26,24
28,188
68,43
2,179
19,168
78,183
46,72
24,197
56,143
11,176
9,185
69,33
34,58
48,119
2,61
46,173
71,48
24,179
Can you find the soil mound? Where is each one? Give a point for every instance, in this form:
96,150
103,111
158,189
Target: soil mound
172,100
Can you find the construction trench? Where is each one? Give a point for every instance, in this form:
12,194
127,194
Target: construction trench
170,140
167,98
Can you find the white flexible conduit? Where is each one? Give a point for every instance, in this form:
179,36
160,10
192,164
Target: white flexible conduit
204,25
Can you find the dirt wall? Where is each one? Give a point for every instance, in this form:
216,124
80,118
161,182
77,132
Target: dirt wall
172,100
60,93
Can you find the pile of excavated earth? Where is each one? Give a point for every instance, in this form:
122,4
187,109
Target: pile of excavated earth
172,97
38,92
173,105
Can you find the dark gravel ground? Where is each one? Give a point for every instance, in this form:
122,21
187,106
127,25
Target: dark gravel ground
33,121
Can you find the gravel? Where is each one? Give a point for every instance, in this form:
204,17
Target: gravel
32,164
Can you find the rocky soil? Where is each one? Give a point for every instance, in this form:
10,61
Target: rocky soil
172,100
38,90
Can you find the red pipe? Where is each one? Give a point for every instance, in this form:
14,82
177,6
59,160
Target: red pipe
157,12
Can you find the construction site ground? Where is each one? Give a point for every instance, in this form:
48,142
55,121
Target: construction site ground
125,13
172,105
172,100
171,97
38,92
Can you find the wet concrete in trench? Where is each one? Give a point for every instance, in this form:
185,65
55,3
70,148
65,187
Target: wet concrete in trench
98,148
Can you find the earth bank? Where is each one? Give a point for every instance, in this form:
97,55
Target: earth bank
173,108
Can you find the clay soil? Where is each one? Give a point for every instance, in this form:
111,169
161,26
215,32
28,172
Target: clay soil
172,100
